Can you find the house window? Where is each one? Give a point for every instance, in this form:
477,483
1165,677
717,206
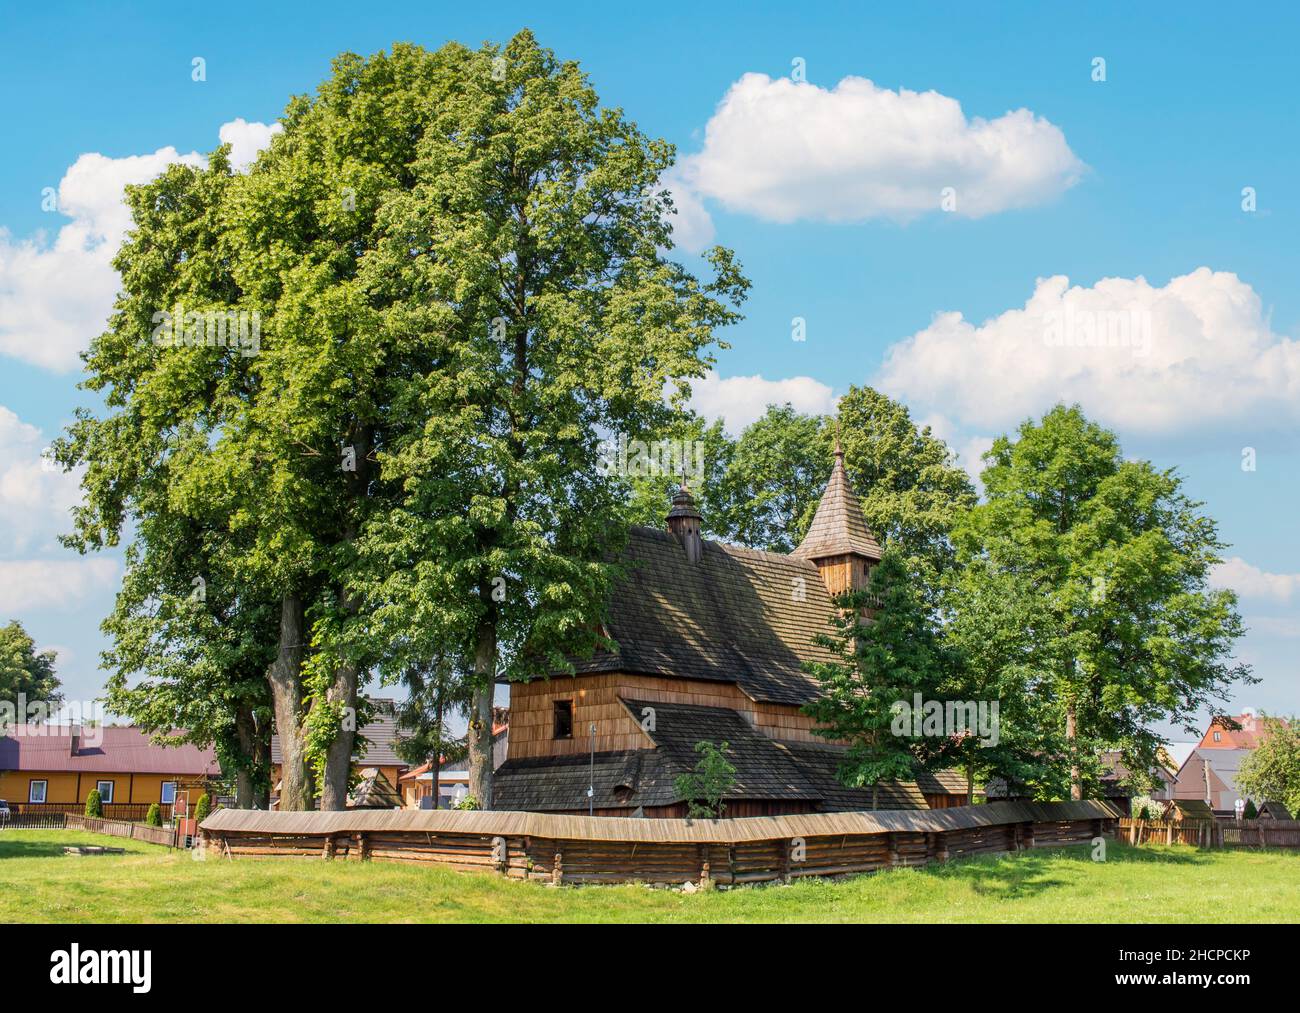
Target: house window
105,789
36,791
563,727
168,792
1218,736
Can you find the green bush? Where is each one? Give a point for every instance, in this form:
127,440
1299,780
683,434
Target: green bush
468,803
94,804
1250,812
154,816
202,807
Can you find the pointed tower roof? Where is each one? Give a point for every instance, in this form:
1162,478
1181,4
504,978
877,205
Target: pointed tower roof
838,528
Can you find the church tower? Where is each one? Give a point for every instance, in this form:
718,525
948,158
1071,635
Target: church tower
838,542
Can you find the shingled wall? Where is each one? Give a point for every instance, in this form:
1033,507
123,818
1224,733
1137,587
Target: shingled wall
581,849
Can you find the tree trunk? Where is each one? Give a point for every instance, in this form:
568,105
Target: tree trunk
338,757
1072,741
342,691
480,717
254,761
435,761
285,677
970,784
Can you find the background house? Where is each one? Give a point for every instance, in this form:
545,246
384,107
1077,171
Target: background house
377,751
52,768
453,778
1210,774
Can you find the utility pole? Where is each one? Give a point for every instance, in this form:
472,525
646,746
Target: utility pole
591,785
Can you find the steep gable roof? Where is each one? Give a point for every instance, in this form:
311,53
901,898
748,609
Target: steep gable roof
838,527
738,615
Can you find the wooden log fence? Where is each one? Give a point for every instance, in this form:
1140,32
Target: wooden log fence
557,849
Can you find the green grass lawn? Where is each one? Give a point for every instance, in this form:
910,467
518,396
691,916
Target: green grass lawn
38,883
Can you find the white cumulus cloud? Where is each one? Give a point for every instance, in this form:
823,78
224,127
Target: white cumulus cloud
246,140
30,584
56,294
786,151
1250,581
1196,353
740,400
35,495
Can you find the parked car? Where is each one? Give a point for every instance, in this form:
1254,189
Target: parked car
4,812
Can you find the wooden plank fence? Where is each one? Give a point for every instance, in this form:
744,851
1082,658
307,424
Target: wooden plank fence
165,836
1217,834
580,849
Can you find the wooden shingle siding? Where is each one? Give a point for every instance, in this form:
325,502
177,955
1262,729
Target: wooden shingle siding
596,699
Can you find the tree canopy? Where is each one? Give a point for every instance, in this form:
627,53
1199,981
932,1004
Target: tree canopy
26,675
1126,631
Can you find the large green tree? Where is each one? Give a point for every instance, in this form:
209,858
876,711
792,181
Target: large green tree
528,250
276,438
26,672
1129,633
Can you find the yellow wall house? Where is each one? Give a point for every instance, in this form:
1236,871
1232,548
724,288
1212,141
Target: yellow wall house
52,768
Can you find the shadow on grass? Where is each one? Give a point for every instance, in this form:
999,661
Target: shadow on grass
1029,873
42,844
16,847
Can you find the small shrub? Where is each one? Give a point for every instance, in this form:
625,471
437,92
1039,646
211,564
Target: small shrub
469,802
94,804
154,816
704,788
203,807
1250,812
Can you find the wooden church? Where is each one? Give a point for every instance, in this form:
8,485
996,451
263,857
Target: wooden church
711,644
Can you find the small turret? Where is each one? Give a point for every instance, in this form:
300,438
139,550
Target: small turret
684,523
838,541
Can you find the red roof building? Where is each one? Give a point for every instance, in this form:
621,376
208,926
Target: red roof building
44,767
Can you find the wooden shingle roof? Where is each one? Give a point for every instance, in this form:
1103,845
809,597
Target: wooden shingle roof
738,615
839,527
765,769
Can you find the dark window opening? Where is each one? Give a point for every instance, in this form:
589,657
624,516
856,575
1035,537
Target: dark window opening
563,719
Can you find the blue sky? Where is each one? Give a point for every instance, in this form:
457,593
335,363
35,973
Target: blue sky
1137,176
